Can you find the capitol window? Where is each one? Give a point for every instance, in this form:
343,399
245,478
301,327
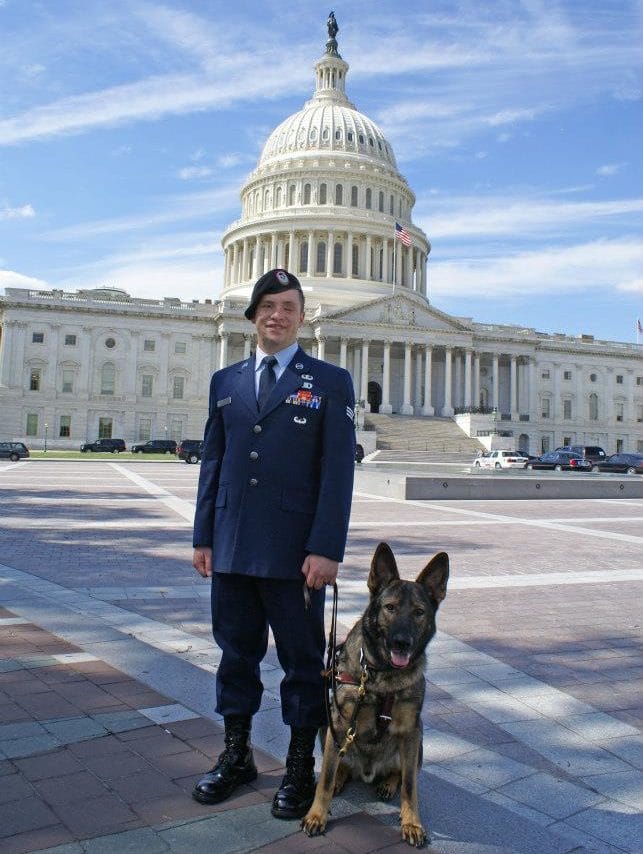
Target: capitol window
70,340
353,196
149,345
321,257
178,388
147,385
306,194
68,381
110,343
107,379
303,257
291,195
32,424
322,194
369,198
38,338
339,194
34,379
593,407
64,429
180,348
338,259
349,136
381,202
326,134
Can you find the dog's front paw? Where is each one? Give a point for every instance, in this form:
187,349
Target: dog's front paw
313,823
415,835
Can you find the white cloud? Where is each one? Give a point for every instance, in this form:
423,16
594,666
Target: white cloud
610,169
517,216
190,172
549,270
11,279
23,212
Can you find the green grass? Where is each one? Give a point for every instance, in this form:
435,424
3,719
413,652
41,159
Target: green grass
90,455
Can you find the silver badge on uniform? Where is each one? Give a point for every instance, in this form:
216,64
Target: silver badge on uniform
306,376
282,277
299,366
306,385
298,420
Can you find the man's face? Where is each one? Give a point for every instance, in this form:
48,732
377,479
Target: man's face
277,319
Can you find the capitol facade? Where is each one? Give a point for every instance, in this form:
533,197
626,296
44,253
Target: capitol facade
327,202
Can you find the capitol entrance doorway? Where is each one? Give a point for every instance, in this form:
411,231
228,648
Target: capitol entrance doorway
374,396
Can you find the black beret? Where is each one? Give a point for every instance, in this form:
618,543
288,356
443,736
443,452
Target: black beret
272,282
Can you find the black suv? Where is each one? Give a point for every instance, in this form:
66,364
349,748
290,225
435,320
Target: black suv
107,446
13,451
190,450
155,446
594,453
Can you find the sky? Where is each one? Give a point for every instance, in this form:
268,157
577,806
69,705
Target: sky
128,127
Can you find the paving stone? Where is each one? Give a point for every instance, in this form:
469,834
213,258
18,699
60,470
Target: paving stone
556,798
143,840
14,787
106,814
626,788
114,767
41,840
69,730
47,765
28,746
70,788
120,721
25,815
143,785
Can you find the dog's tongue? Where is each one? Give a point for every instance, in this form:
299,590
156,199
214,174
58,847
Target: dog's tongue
399,659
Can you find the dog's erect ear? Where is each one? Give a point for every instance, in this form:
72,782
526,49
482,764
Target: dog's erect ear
383,569
434,577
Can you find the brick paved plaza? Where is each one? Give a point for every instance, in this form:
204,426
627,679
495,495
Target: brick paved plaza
533,712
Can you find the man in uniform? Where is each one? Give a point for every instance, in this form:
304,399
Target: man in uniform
272,515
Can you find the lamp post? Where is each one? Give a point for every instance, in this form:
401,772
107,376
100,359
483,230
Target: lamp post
46,429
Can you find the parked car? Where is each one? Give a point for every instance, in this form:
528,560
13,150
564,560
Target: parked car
107,446
593,453
155,446
13,451
359,453
190,450
500,460
560,461
623,463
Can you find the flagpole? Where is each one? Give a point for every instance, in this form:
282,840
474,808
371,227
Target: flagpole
394,259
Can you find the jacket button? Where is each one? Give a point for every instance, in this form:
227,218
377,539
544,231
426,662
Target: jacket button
253,481
256,428
254,455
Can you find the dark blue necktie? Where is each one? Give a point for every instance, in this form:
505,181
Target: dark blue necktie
267,380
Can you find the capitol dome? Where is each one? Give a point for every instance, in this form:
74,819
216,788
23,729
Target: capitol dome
326,201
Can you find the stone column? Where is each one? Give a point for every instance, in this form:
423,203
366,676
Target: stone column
293,263
417,394
354,359
495,374
311,249
476,380
343,353
349,256
407,409
428,366
247,346
385,406
6,342
457,385
513,390
245,271
273,251
364,377
223,349
534,415
447,409
256,269
368,266
385,275
329,255
321,347
467,379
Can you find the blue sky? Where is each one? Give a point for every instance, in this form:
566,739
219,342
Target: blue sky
128,127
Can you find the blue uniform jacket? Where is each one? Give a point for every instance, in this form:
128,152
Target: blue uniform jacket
276,485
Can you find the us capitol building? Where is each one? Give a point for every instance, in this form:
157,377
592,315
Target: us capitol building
327,202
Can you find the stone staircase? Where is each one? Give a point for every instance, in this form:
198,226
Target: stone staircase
421,439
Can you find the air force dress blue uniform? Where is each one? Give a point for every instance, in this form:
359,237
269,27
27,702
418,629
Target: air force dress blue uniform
275,486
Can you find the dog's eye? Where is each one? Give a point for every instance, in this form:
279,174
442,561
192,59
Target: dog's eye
389,607
418,612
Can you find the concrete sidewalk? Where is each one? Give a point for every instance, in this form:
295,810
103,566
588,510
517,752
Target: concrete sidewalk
93,760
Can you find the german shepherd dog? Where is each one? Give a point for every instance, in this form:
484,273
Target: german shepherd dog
375,730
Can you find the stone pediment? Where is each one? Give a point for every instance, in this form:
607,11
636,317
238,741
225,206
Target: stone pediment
400,310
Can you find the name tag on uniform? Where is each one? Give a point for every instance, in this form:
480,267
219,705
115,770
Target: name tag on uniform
223,402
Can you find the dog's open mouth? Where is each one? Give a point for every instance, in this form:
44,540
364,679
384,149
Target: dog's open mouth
400,659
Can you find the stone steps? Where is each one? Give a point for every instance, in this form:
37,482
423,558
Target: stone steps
432,437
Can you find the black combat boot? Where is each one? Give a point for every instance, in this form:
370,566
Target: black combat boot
234,767
297,790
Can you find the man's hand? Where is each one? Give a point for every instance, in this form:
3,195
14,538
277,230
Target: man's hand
202,561
319,570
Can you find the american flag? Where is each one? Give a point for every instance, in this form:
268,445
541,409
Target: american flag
402,234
